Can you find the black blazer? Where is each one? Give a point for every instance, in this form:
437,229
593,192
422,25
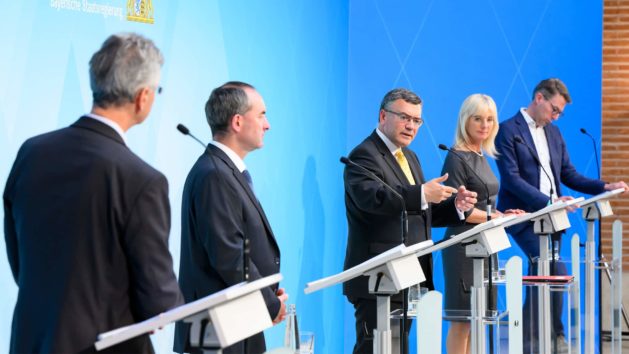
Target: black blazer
86,228
373,212
218,211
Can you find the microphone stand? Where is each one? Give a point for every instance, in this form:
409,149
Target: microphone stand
553,242
600,248
404,219
519,140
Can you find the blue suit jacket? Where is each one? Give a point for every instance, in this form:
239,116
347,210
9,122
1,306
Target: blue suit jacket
520,174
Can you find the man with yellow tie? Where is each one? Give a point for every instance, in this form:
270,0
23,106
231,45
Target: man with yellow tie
373,211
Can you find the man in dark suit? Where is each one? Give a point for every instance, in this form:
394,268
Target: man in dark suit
220,212
524,184
373,212
87,221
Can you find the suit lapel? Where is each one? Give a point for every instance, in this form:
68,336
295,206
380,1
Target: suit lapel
553,151
244,185
389,159
524,131
416,167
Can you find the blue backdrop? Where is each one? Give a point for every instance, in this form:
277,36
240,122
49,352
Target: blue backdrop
447,50
322,68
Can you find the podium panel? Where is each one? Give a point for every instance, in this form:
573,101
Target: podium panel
228,319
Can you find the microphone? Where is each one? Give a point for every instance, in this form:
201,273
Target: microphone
185,131
519,140
373,176
598,168
488,207
246,247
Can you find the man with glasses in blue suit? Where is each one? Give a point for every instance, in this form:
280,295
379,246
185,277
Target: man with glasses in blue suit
524,142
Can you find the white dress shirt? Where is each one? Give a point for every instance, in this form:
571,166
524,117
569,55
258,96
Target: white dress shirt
541,145
240,164
394,149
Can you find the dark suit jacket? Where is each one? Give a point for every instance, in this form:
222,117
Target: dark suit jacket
520,173
373,212
218,211
86,228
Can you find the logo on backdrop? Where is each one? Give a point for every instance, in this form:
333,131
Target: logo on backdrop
90,7
140,11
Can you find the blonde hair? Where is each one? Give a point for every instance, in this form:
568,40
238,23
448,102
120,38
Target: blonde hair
471,106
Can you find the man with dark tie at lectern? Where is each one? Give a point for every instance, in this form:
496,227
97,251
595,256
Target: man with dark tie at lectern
373,211
87,221
221,214
533,162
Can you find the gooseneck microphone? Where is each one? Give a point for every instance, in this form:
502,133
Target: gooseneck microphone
185,131
519,140
373,176
246,247
598,167
347,162
488,208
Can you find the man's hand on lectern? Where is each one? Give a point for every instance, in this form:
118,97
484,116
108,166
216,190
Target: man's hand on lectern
617,185
566,198
282,296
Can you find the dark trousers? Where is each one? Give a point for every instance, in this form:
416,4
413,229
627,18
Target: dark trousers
366,321
529,243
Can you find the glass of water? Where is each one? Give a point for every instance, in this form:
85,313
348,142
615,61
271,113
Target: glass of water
415,293
306,342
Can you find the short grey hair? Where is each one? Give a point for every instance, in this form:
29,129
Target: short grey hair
224,103
400,94
124,64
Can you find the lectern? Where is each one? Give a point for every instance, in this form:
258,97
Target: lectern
399,268
388,272
480,242
547,221
217,321
593,209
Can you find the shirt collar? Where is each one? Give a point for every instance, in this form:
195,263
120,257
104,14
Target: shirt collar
531,123
109,123
240,164
387,142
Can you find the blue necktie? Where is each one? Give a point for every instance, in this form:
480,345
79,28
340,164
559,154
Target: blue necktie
247,176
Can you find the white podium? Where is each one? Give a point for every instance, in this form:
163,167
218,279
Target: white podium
593,209
399,268
546,221
217,321
388,272
480,242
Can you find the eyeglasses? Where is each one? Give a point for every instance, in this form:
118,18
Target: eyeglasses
556,111
417,121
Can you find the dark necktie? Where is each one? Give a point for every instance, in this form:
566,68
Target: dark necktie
247,176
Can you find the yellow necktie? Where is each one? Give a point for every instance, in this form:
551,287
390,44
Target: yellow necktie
403,162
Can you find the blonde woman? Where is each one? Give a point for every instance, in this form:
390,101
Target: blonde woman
474,140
